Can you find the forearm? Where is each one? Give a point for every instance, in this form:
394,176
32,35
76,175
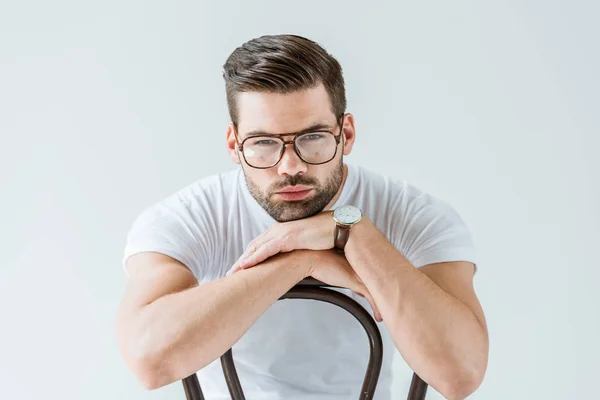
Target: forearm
185,331
437,335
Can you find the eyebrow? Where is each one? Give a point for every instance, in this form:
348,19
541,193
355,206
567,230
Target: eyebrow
312,128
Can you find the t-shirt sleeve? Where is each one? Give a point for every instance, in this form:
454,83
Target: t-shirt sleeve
167,229
434,232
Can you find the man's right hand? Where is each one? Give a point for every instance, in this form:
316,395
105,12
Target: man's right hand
332,268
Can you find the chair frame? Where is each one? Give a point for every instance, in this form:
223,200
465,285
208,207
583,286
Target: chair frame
313,289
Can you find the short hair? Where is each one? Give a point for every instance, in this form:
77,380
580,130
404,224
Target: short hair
282,64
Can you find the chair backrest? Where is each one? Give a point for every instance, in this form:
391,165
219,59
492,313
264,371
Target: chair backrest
313,289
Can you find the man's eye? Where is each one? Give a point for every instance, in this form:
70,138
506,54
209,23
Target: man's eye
264,142
313,136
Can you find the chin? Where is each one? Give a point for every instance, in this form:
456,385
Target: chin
287,212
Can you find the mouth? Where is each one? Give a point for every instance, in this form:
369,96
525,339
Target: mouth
294,192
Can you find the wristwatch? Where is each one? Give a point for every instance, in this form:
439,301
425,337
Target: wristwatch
345,218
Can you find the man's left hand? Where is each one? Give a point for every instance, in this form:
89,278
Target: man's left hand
314,233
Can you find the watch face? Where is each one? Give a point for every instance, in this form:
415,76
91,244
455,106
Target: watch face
347,214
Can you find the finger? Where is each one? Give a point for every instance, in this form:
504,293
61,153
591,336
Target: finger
375,310
252,246
257,242
369,299
233,270
250,250
374,307
265,251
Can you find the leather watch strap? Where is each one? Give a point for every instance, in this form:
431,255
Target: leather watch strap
342,233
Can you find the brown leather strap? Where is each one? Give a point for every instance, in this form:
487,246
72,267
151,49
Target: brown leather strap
342,233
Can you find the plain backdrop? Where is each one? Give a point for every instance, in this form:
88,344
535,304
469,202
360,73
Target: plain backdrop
107,107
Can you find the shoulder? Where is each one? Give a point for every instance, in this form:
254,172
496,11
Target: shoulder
201,199
422,226
379,183
207,191
399,194
186,224
191,209
383,193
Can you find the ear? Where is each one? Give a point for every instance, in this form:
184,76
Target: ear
349,133
232,147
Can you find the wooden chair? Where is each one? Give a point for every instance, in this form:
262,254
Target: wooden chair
315,290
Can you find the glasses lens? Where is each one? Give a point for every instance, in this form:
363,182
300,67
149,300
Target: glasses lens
316,147
262,151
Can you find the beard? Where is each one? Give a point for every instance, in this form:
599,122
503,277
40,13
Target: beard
289,210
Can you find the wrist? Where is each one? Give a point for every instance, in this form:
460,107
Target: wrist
308,262
359,230
301,261
346,217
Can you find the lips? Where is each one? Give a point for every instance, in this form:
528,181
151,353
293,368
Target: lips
295,189
294,193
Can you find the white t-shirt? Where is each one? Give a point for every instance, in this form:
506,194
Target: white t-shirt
298,349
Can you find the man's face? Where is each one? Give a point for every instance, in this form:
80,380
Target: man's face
292,189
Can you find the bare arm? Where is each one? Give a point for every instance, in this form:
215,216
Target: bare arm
432,312
168,327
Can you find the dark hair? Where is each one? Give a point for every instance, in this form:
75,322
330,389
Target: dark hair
282,64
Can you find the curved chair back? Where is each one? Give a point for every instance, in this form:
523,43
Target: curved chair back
313,289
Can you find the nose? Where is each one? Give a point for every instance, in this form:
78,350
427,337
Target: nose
290,163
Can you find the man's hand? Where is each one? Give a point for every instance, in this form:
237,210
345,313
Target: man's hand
332,268
314,233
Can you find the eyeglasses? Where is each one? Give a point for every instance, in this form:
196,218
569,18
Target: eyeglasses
313,147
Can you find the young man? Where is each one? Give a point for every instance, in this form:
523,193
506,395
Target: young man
207,265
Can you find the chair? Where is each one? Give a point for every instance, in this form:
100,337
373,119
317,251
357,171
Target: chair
313,289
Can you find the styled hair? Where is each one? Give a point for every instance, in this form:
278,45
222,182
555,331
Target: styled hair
282,64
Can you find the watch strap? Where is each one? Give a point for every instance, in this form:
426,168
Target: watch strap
342,233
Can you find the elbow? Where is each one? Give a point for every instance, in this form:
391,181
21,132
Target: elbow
156,359
465,376
463,385
146,351
149,364
155,367
152,382
150,370
153,370
458,392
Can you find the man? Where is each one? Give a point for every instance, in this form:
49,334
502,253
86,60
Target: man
207,265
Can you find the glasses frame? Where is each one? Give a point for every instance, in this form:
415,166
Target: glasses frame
292,142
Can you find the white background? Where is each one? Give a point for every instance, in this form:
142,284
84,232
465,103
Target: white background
107,107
